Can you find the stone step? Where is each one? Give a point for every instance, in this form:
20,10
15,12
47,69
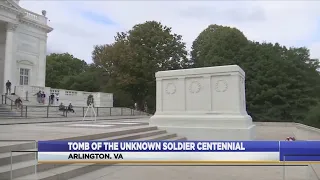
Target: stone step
24,168
63,173
109,169
87,171
18,169
115,132
134,135
177,138
8,146
5,158
162,136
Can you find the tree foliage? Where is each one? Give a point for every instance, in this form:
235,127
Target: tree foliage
137,54
217,45
60,66
282,83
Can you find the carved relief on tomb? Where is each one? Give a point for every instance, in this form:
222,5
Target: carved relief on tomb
171,88
194,87
221,86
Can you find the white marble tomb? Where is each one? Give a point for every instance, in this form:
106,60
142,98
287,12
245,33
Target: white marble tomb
203,103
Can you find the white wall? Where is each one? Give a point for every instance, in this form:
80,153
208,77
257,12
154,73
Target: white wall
76,98
31,53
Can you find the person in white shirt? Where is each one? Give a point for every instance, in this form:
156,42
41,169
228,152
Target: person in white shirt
57,99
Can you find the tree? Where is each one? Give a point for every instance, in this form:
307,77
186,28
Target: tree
137,54
60,66
282,84
313,116
217,45
92,80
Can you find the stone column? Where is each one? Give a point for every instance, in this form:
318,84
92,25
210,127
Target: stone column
42,62
8,69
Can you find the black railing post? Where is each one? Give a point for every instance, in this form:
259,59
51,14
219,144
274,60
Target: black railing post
47,111
97,111
82,111
5,99
110,111
26,111
1,99
21,110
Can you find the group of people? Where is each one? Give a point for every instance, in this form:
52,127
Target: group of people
41,96
63,108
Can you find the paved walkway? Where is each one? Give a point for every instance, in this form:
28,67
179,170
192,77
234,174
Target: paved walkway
60,130
64,119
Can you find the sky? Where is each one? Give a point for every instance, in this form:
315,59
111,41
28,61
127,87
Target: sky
79,25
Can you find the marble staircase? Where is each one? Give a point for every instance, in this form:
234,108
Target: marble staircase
5,111
24,165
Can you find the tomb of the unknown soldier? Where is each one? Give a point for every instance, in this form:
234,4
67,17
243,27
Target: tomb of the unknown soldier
203,103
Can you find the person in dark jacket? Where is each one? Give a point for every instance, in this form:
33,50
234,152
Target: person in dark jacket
70,108
61,107
43,97
18,103
51,98
8,87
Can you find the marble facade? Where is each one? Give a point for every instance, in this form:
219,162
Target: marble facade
23,41
23,50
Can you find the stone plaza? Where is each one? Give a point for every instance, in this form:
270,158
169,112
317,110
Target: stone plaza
135,128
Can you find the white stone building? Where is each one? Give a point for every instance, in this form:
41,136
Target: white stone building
23,39
23,49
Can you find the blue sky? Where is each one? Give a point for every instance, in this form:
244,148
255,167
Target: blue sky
79,25
97,17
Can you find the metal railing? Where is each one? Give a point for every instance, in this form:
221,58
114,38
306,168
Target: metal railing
6,100
11,153
48,111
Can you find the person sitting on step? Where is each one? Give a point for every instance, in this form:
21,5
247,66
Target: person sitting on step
70,108
61,107
18,103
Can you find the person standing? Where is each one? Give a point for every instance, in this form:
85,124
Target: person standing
90,100
38,94
57,98
8,87
43,97
51,98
